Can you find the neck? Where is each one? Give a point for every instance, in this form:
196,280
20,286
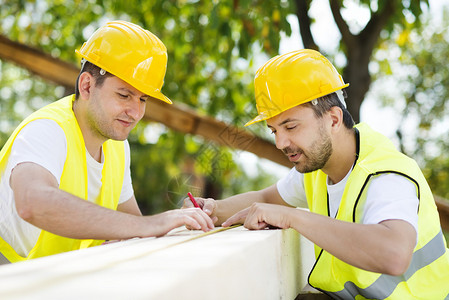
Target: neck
343,156
92,141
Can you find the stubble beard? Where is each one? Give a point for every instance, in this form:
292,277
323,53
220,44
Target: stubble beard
318,156
106,131
101,127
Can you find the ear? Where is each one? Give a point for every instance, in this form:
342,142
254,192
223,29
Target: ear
85,83
336,116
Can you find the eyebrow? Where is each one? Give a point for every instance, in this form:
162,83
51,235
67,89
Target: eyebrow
126,90
284,122
132,93
287,121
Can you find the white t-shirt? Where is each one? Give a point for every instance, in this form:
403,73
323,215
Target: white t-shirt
43,142
390,196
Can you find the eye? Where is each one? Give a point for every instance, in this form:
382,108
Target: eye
143,100
290,127
122,96
273,132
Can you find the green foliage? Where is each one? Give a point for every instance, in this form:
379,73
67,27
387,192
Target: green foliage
212,46
405,12
415,61
21,94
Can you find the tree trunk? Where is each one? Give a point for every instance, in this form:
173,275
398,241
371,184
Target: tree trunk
357,75
358,48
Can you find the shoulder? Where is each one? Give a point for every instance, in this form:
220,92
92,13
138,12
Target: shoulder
42,142
291,188
39,129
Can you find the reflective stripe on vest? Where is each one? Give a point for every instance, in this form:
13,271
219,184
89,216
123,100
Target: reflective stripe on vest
428,273
386,284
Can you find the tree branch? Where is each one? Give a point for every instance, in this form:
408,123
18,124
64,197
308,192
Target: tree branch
177,116
369,36
302,9
346,35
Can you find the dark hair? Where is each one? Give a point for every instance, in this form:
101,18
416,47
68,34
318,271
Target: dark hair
325,103
95,72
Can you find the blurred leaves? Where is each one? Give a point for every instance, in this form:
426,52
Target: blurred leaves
212,47
417,67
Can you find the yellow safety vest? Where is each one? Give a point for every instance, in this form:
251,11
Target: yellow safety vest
428,274
73,179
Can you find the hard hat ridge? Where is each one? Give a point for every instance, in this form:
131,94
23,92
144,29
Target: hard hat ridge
292,79
131,53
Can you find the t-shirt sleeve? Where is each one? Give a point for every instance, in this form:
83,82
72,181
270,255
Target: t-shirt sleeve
291,189
42,142
127,188
391,196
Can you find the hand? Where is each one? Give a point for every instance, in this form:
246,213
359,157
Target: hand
208,205
238,218
193,218
261,215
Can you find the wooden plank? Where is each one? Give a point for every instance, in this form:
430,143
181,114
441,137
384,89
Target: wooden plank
233,264
39,63
178,117
183,119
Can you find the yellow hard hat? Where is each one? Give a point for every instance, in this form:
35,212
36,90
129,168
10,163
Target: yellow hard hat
131,53
291,79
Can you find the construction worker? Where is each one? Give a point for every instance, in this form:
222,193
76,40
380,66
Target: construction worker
372,215
75,149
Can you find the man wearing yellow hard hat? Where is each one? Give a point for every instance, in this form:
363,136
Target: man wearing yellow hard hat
372,215
65,171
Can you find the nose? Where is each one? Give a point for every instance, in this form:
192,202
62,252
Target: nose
135,109
282,141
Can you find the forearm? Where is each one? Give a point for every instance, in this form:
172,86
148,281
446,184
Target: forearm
130,207
40,202
66,215
385,248
227,207
230,206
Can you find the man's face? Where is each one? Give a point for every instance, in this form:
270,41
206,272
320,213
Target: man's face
302,137
115,108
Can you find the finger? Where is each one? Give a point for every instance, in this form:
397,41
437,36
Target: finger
187,203
209,205
190,227
207,218
191,223
231,221
252,224
201,218
254,219
237,218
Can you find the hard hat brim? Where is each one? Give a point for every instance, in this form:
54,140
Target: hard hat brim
154,94
262,116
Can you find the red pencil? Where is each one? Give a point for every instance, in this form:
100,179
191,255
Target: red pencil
193,200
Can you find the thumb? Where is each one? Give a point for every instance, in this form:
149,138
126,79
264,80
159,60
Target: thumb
209,206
